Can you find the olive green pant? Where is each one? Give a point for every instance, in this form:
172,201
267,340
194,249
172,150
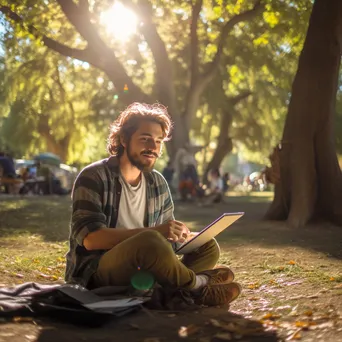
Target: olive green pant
149,251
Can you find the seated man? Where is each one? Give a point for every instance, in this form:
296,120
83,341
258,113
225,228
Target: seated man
216,187
123,222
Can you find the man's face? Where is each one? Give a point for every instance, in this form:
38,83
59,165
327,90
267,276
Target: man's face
145,146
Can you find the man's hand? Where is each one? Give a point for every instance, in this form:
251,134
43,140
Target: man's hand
190,236
173,230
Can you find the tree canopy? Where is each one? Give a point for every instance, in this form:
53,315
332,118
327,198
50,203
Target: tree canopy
64,68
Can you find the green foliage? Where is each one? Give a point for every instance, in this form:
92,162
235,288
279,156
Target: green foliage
255,55
46,106
259,55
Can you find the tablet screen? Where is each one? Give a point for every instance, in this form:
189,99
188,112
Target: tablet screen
209,232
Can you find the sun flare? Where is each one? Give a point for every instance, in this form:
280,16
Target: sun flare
119,21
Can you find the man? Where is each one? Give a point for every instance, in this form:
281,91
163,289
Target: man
216,186
123,223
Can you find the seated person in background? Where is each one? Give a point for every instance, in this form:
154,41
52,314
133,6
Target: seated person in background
45,178
123,221
188,182
216,187
168,173
226,179
8,175
7,165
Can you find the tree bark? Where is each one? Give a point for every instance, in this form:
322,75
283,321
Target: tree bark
224,142
58,147
310,178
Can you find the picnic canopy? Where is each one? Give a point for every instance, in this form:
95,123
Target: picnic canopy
48,158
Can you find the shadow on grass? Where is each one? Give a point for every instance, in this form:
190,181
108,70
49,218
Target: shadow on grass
158,326
251,229
50,216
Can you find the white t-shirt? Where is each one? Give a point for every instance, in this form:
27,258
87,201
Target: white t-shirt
132,207
217,185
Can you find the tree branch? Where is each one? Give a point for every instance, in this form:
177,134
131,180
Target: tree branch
164,80
82,24
63,49
234,100
84,7
109,62
202,81
244,16
196,9
149,30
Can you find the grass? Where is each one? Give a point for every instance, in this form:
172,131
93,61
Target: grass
277,266
30,258
312,274
33,235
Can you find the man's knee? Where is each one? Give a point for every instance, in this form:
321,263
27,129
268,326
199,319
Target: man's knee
212,246
153,242
150,236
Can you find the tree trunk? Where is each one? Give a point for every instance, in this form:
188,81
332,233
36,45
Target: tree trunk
224,144
310,183
60,148
221,151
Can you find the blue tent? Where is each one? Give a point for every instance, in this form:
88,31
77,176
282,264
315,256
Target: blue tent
48,158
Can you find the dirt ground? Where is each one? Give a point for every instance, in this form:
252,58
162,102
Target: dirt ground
292,279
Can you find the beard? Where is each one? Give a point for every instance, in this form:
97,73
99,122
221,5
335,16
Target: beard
139,161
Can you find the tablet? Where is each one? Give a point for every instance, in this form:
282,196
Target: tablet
209,232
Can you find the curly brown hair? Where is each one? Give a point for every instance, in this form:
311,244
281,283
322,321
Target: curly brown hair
129,120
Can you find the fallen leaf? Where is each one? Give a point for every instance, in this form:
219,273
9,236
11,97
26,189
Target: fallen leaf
187,331
45,276
294,312
302,324
294,283
284,307
271,316
22,319
308,313
295,336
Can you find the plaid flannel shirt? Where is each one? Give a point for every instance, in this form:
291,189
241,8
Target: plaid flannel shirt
96,195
